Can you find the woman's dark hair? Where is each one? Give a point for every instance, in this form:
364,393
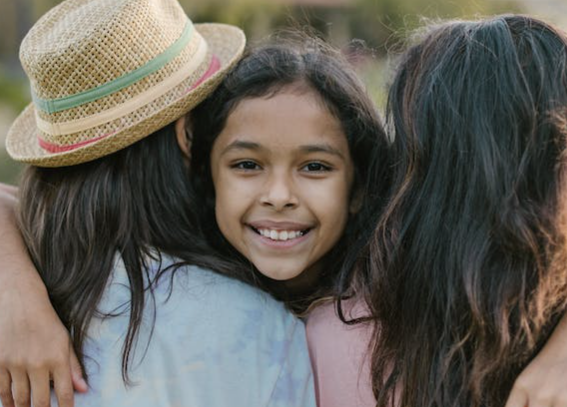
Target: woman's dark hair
76,220
308,65
468,267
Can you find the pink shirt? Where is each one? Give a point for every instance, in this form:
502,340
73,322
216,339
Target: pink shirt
340,357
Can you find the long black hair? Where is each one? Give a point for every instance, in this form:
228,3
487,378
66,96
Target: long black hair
265,70
468,267
134,203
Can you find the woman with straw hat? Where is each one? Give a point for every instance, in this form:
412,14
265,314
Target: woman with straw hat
106,215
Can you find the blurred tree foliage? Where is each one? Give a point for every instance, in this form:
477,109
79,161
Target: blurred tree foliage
386,22
256,17
372,20
377,22
9,169
13,91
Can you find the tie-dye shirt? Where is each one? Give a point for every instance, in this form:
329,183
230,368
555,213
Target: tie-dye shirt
216,342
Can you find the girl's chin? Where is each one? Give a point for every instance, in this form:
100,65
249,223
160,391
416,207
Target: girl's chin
287,269
294,279
281,275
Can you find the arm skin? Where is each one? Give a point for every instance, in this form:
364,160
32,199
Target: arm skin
543,383
34,344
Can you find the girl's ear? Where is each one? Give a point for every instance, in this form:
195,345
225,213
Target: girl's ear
356,202
183,134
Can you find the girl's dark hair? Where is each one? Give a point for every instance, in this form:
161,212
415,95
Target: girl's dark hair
75,221
309,65
468,266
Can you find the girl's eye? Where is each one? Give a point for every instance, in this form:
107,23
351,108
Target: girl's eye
246,165
316,167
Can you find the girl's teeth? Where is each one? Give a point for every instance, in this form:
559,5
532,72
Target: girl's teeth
283,235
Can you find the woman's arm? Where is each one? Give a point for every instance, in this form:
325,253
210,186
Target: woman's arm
543,382
34,345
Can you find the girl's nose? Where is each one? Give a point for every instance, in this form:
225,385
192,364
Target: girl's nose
279,193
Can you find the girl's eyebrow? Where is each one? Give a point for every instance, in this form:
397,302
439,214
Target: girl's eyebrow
321,148
241,145
309,148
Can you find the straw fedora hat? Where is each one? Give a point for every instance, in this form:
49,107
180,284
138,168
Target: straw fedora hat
107,73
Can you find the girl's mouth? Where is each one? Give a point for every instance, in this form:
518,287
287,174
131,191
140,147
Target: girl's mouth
280,235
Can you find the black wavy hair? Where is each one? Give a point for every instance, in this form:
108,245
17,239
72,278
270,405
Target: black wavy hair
468,267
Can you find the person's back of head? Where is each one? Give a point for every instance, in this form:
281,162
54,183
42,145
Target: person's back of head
109,176
469,258
135,203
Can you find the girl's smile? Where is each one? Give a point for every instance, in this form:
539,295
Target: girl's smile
280,234
282,173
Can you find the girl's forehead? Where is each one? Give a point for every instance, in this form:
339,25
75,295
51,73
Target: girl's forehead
286,119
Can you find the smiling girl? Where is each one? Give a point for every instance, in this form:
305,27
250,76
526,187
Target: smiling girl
291,159
282,173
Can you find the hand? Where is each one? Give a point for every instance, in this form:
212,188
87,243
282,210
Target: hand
34,348
34,345
543,383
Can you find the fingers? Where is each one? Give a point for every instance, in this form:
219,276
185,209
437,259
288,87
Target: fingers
17,390
79,382
21,388
63,386
40,390
6,389
517,398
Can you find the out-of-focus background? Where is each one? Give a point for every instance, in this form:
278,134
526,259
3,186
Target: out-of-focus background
380,25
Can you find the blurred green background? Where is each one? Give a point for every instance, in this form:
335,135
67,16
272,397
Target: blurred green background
380,25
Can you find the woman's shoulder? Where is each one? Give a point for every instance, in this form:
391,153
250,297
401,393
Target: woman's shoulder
228,295
323,319
205,339
197,292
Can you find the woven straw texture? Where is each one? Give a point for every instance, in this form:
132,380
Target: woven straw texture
82,44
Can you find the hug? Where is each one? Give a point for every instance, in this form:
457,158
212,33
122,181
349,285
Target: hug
202,224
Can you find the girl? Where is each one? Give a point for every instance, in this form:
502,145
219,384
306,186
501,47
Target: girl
467,274
111,229
271,169
291,161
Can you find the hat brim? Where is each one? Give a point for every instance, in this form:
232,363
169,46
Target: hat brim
225,42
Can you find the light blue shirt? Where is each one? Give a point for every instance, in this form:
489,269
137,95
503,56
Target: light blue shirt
216,342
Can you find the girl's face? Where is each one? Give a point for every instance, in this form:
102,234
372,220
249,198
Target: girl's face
282,174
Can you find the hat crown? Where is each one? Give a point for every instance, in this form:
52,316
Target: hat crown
82,44
107,73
